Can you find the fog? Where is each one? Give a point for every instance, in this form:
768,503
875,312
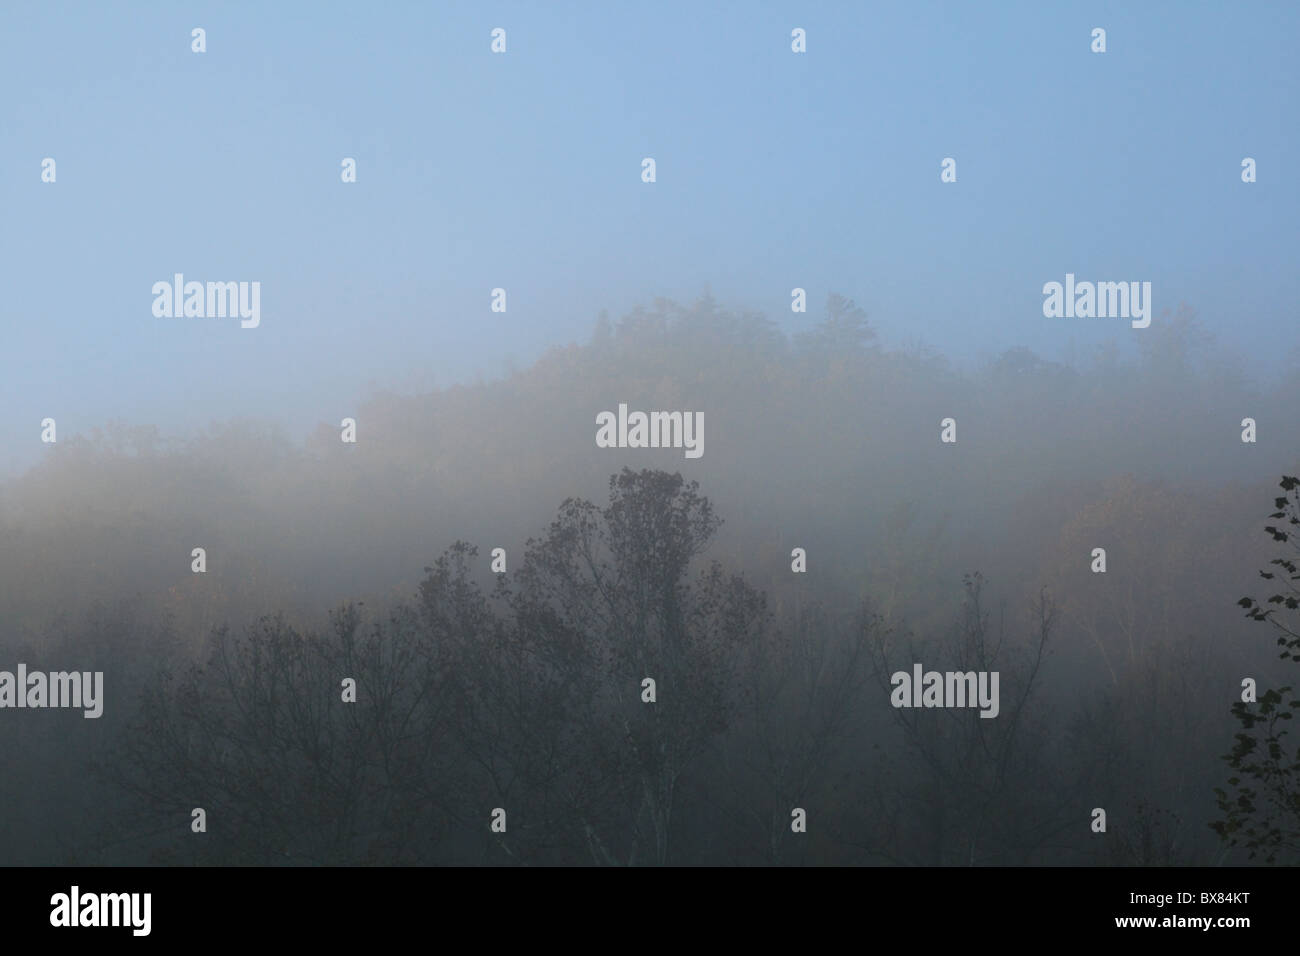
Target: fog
902,458
829,442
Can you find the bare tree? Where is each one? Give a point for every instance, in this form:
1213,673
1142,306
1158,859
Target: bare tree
970,791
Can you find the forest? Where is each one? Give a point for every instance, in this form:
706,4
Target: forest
353,679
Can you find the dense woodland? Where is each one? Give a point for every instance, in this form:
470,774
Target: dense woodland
523,690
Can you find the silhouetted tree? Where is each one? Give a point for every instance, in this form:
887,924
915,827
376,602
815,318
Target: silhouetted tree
608,599
1261,811
971,802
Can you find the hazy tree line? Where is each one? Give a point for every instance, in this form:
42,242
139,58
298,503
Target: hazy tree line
533,699
523,691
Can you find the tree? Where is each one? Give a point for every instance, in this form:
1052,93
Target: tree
608,600
844,331
286,771
1261,812
803,724
970,801
533,702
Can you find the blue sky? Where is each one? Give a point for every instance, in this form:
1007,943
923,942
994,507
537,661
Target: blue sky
522,170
